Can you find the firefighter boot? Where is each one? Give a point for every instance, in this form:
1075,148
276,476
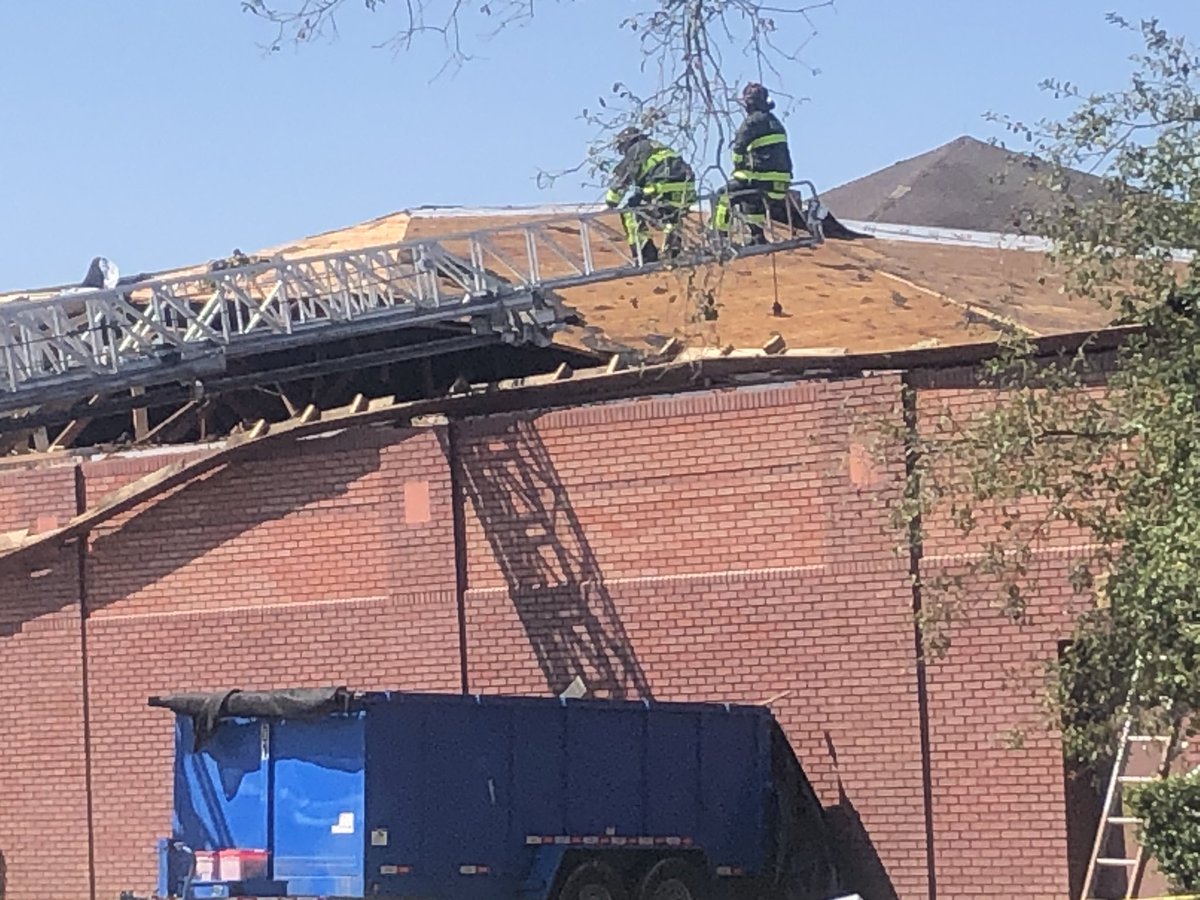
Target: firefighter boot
649,252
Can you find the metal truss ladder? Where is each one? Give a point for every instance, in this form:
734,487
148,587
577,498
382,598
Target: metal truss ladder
1112,815
180,328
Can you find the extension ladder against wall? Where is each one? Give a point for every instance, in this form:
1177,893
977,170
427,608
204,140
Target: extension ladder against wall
1114,818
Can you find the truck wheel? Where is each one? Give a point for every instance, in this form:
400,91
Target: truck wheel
593,880
674,879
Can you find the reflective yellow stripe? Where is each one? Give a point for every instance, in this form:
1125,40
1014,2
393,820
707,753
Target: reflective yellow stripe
656,157
767,140
669,187
613,197
748,175
635,230
721,214
738,158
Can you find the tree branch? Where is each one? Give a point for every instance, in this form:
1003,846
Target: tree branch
689,90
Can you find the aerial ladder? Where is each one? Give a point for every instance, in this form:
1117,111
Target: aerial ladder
181,329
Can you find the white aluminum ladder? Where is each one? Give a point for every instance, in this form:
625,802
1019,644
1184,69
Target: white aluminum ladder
174,329
1113,817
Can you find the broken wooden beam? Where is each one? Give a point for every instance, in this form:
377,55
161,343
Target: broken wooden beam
775,345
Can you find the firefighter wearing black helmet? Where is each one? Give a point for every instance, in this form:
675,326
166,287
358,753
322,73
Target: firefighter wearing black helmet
662,187
762,167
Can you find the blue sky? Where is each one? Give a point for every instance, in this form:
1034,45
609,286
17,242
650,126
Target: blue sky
160,133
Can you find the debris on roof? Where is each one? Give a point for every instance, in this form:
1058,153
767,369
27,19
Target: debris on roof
102,274
937,283
236,260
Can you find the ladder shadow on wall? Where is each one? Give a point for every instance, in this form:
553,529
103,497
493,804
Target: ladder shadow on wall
553,578
858,860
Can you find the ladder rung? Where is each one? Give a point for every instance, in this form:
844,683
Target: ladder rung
1136,779
1124,820
1102,861
1148,739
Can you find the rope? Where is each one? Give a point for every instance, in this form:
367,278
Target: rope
775,281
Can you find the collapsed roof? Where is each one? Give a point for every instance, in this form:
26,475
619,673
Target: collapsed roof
910,287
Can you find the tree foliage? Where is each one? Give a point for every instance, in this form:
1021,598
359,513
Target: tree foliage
1098,452
1170,810
693,54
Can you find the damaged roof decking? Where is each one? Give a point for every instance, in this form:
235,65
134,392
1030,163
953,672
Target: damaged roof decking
829,298
1018,284
858,296
861,296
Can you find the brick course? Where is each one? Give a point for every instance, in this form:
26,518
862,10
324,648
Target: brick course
43,813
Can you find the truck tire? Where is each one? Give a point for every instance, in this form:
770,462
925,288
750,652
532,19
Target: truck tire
674,879
593,880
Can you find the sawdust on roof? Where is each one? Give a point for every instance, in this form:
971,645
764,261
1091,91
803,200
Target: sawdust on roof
389,229
861,296
1019,285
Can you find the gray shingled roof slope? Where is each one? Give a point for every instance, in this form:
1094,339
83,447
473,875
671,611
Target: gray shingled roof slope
966,184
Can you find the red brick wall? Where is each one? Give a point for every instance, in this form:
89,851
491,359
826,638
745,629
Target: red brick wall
723,553
43,814
301,566
724,546
999,789
37,499
394,641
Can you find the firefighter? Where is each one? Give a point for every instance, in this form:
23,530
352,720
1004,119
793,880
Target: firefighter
663,188
762,168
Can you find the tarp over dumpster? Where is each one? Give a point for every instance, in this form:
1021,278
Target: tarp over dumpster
207,709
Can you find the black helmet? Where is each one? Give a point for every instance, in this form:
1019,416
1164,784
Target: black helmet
627,137
754,97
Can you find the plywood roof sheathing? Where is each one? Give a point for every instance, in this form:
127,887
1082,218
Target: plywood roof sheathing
815,351
254,432
670,349
379,403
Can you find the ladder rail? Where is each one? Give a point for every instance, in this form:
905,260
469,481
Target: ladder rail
1110,793
1164,769
1136,864
1114,781
158,322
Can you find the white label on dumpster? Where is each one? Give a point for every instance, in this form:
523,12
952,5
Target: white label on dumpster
379,837
344,824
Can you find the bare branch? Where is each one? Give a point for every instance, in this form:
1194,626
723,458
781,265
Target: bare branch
694,54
